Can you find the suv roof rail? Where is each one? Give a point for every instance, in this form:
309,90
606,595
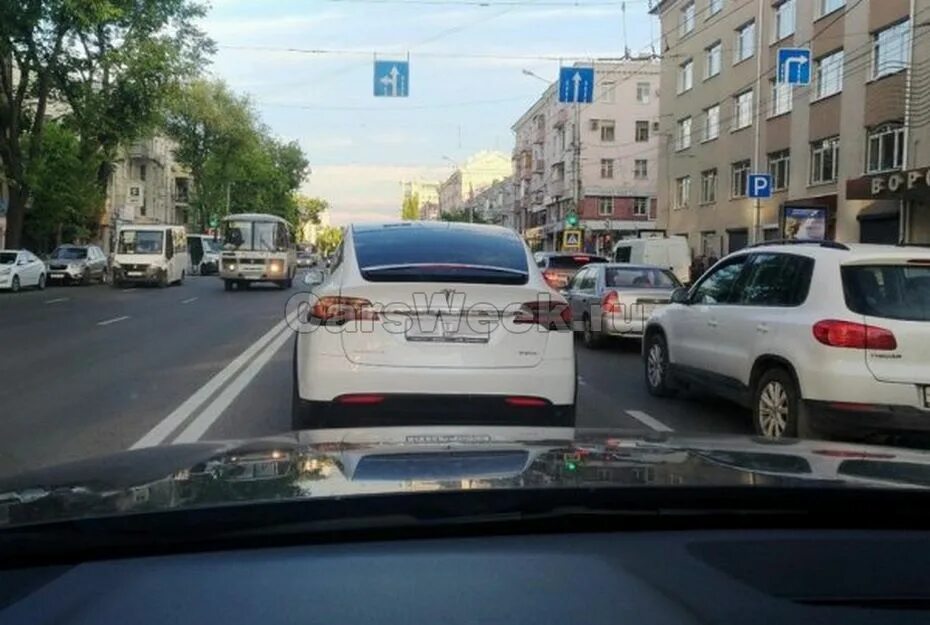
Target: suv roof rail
833,245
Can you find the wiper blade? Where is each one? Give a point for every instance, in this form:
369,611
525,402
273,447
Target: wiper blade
408,266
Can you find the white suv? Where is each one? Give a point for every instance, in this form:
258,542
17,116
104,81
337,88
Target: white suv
813,337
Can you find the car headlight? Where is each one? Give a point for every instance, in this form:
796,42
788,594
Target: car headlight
275,267
74,267
230,266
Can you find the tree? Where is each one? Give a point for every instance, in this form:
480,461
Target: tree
410,210
463,214
111,62
309,210
328,240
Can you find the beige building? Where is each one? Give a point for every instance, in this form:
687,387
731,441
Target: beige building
839,149
475,175
610,179
427,193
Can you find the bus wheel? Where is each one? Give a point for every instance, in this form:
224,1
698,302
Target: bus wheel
227,285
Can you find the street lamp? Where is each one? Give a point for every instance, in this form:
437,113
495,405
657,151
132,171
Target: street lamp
527,72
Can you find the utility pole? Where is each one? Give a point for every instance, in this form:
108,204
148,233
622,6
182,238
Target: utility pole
757,122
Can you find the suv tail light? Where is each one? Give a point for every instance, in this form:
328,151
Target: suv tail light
334,310
551,315
836,333
552,278
611,303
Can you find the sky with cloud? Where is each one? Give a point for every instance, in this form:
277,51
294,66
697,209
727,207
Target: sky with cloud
466,84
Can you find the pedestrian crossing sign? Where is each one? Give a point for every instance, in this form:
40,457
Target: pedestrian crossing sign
571,239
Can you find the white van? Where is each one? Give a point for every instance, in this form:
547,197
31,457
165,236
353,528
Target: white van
670,253
150,254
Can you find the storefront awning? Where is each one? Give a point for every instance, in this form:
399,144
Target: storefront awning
879,210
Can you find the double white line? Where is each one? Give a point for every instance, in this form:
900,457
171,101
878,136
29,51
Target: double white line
246,365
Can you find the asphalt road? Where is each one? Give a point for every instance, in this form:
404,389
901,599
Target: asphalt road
92,370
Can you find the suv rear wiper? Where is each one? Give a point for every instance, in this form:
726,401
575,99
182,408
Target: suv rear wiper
407,266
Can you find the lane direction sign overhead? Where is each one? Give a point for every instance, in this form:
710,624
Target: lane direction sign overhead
576,84
392,79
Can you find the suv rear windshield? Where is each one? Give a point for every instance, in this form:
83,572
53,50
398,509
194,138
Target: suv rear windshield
575,261
435,254
888,291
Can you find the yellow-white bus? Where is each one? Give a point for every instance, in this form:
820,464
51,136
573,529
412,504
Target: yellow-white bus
256,248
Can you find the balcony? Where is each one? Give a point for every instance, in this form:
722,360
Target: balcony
557,187
140,149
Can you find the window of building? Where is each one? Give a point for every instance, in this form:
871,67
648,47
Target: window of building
560,138
828,74
784,20
711,128
683,138
640,205
686,20
891,49
742,110
641,169
745,42
607,92
885,148
779,166
142,172
739,177
605,206
779,98
712,56
685,76
829,6
824,157
558,172
643,90
642,131
607,168
714,7
607,130
708,186
682,191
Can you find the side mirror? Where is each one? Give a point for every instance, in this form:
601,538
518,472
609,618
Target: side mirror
563,293
313,278
680,296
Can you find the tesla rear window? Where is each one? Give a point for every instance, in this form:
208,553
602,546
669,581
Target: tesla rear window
573,262
428,254
888,291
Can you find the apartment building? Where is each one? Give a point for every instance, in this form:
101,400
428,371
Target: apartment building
596,160
494,204
853,144
476,174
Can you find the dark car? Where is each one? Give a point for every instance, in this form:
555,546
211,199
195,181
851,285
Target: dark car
77,264
560,267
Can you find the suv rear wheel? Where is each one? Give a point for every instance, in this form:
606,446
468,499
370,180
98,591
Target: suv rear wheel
777,407
655,361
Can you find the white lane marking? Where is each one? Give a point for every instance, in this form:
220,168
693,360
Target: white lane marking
130,290
188,300
169,424
57,299
582,381
647,420
113,320
214,410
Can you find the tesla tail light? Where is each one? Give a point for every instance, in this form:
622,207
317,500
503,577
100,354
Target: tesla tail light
851,335
611,303
334,310
551,315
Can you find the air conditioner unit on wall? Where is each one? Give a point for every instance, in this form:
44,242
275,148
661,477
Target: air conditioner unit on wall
594,124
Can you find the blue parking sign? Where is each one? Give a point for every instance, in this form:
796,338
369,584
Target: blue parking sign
760,185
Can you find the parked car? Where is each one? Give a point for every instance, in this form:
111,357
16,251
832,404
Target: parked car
21,268
616,299
815,337
306,260
672,253
416,317
77,264
559,267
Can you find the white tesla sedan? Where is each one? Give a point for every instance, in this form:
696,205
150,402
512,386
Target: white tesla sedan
19,269
433,323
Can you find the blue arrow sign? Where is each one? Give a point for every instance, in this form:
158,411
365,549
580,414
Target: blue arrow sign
760,186
576,84
794,66
392,79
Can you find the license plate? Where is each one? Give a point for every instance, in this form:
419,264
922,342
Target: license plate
133,273
448,331
56,275
264,469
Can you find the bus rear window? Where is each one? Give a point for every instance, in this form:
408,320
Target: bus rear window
888,291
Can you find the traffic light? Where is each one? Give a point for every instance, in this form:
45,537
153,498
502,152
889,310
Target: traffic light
571,220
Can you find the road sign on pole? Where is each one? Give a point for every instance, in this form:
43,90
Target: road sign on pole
794,66
576,84
571,239
760,186
392,79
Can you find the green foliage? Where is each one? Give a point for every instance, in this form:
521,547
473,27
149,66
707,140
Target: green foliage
463,215
66,201
308,211
328,240
411,208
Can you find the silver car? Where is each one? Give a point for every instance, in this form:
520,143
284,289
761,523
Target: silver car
617,299
77,264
